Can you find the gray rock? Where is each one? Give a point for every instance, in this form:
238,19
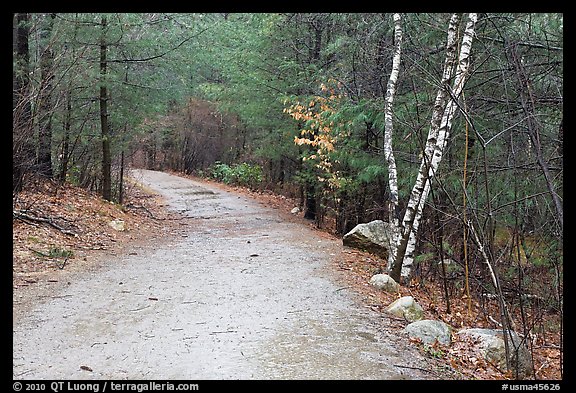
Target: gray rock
118,225
429,331
373,237
295,210
385,283
490,343
406,307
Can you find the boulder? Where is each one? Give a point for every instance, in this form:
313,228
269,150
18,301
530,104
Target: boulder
373,237
406,307
385,283
490,344
429,331
118,225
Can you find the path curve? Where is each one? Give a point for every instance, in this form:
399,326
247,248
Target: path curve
241,295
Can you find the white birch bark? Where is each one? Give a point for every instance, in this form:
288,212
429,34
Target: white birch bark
393,216
442,115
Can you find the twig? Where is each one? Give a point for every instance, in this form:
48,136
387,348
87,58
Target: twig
494,321
339,289
51,257
39,253
223,331
63,264
56,297
139,309
388,315
22,373
133,206
413,368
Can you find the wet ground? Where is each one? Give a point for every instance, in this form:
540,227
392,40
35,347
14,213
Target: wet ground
239,294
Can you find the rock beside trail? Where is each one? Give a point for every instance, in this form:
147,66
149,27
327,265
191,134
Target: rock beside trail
406,307
373,237
490,344
429,331
385,283
118,225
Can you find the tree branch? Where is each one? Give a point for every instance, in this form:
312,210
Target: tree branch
159,55
19,214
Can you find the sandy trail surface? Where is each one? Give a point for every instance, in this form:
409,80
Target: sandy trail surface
239,294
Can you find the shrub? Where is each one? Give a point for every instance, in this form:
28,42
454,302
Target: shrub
244,174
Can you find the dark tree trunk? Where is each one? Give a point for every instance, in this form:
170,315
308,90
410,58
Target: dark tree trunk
44,160
23,155
66,141
106,158
310,208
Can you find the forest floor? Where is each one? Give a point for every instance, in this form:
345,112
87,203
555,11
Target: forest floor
69,262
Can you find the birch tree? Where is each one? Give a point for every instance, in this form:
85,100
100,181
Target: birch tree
442,115
393,209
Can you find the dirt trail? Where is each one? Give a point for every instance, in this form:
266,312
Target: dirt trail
242,294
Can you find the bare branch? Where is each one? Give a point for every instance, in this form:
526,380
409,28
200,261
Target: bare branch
144,59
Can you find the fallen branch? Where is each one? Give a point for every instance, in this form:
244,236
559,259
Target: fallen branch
20,215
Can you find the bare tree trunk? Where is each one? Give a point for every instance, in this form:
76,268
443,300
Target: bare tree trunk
507,323
121,185
442,115
534,127
106,158
393,210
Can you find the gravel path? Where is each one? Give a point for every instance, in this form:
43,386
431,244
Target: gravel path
241,295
